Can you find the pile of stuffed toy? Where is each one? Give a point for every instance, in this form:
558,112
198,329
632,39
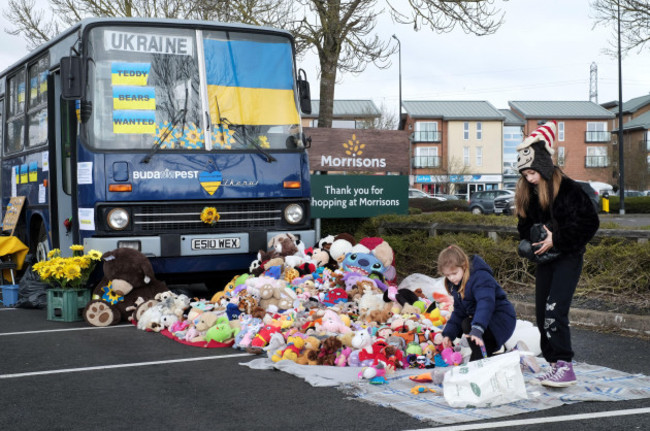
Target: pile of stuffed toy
336,304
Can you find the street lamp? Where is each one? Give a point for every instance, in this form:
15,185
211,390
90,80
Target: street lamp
399,109
399,52
621,180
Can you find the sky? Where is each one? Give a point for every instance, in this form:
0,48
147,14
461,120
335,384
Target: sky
543,51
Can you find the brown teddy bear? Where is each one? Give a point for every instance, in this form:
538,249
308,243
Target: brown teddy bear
129,284
328,350
309,354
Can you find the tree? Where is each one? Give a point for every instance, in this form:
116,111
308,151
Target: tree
33,25
385,121
635,21
341,32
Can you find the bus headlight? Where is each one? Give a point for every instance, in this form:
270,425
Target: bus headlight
117,218
293,214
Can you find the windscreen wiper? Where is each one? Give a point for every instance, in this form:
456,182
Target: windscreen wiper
180,115
252,141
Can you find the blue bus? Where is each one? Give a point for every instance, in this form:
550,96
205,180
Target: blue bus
182,139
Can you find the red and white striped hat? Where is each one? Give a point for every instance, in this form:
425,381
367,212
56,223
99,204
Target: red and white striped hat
546,132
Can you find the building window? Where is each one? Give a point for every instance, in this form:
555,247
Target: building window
465,156
596,157
597,132
479,156
560,156
426,131
479,130
426,157
466,130
560,131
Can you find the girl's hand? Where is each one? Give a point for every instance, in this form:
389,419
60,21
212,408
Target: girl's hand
446,342
477,340
547,244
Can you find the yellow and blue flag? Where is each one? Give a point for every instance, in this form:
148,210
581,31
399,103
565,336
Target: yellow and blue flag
132,121
129,73
132,97
250,82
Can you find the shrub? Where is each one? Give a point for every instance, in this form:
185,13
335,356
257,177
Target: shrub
636,205
431,205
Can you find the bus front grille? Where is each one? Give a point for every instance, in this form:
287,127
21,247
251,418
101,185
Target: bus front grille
186,217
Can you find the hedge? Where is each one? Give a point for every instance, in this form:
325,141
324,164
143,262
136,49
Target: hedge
611,265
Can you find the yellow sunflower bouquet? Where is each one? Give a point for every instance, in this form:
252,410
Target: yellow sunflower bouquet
68,272
210,216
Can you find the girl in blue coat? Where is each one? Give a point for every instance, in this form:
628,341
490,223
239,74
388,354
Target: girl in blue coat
481,309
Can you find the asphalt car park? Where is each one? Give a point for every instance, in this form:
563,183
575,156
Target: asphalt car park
70,376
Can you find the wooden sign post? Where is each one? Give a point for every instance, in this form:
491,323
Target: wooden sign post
13,213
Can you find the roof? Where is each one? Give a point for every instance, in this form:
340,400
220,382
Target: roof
633,105
453,110
347,109
553,110
640,122
511,118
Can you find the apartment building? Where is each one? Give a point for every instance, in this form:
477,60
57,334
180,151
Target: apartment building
636,141
584,143
456,146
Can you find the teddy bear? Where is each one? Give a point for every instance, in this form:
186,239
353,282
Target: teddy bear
128,285
309,354
202,323
328,351
295,344
332,323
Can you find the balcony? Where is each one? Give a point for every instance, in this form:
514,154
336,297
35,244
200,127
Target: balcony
598,136
596,161
427,136
426,162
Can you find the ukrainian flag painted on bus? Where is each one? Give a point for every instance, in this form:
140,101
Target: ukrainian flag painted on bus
250,82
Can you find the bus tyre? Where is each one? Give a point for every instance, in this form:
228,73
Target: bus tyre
42,244
100,313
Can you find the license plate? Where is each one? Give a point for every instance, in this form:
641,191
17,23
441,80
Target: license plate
215,243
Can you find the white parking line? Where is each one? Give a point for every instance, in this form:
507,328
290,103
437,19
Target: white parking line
108,367
45,331
536,421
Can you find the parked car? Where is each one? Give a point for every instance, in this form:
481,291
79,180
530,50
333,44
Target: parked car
592,193
483,202
418,194
446,197
504,205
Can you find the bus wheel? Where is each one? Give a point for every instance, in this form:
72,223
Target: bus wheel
42,244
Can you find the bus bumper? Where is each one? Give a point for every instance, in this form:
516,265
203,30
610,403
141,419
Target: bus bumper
175,245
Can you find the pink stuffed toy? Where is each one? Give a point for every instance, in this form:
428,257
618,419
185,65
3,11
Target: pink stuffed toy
451,357
332,322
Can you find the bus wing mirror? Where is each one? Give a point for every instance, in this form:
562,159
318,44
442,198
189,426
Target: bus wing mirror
71,78
304,93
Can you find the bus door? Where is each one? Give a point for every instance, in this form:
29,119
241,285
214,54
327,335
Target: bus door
61,204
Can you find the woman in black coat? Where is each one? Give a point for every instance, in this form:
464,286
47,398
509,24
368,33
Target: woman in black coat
545,195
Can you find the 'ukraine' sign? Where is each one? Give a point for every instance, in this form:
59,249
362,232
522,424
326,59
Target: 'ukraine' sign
251,83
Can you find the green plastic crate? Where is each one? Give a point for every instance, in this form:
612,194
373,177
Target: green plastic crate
66,305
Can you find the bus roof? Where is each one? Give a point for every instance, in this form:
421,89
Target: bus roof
91,22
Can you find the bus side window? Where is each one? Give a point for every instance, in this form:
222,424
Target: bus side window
37,106
68,138
15,113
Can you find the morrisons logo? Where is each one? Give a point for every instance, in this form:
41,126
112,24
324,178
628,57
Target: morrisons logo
354,152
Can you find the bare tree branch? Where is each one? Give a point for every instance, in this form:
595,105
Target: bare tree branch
635,22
